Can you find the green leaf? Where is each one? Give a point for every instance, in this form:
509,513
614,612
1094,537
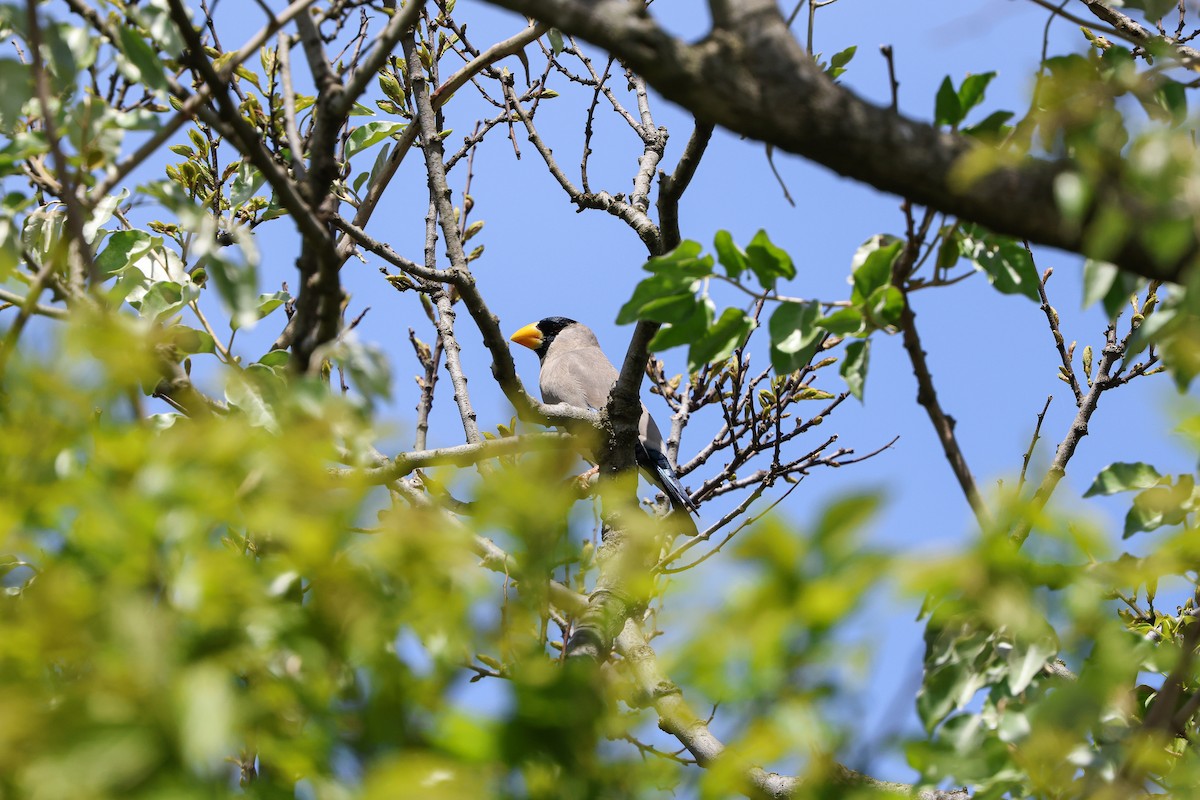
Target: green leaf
685,261
686,330
768,262
948,250
161,299
947,109
189,340
1160,505
64,66
1123,477
794,335
1025,662
245,183
556,40
652,291
43,229
367,366
732,257
990,126
24,144
371,133
394,91
143,64
237,284
102,213
843,322
269,302
838,62
275,358
1172,97
16,88
721,339
246,395
884,306
1008,265
842,58
871,266
10,249
242,72
939,692
123,248
1098,278
854,366
1179,342
670,310
1104,281
970,93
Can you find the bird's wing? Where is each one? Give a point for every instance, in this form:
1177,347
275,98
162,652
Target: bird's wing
581,377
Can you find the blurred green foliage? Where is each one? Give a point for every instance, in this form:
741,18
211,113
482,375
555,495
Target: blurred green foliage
222,602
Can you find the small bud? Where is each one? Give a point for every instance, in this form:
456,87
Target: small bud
472,229
489,661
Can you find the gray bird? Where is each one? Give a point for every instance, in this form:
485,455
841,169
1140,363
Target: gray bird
575,371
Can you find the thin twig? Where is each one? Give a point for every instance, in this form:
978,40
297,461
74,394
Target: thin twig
1068,369
1037,429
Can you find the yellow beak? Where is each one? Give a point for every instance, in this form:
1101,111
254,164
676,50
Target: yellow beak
529,336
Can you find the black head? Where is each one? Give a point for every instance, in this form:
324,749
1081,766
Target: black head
538,336
550,328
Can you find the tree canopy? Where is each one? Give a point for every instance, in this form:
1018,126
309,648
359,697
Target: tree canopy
240,556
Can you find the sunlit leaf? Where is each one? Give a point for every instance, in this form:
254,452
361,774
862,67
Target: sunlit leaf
141,63
732,257
947,107
720,340
370,133
1123,477
854,366
768,262
794,335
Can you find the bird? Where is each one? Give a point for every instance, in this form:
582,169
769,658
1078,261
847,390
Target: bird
575,371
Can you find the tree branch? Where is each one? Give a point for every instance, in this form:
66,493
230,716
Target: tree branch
1130,30
678,719
754,78
463,455
1079,428
671,187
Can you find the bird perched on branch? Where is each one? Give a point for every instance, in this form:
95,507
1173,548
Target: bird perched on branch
575,371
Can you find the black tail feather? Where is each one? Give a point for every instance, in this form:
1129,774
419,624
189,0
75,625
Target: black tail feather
659,468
